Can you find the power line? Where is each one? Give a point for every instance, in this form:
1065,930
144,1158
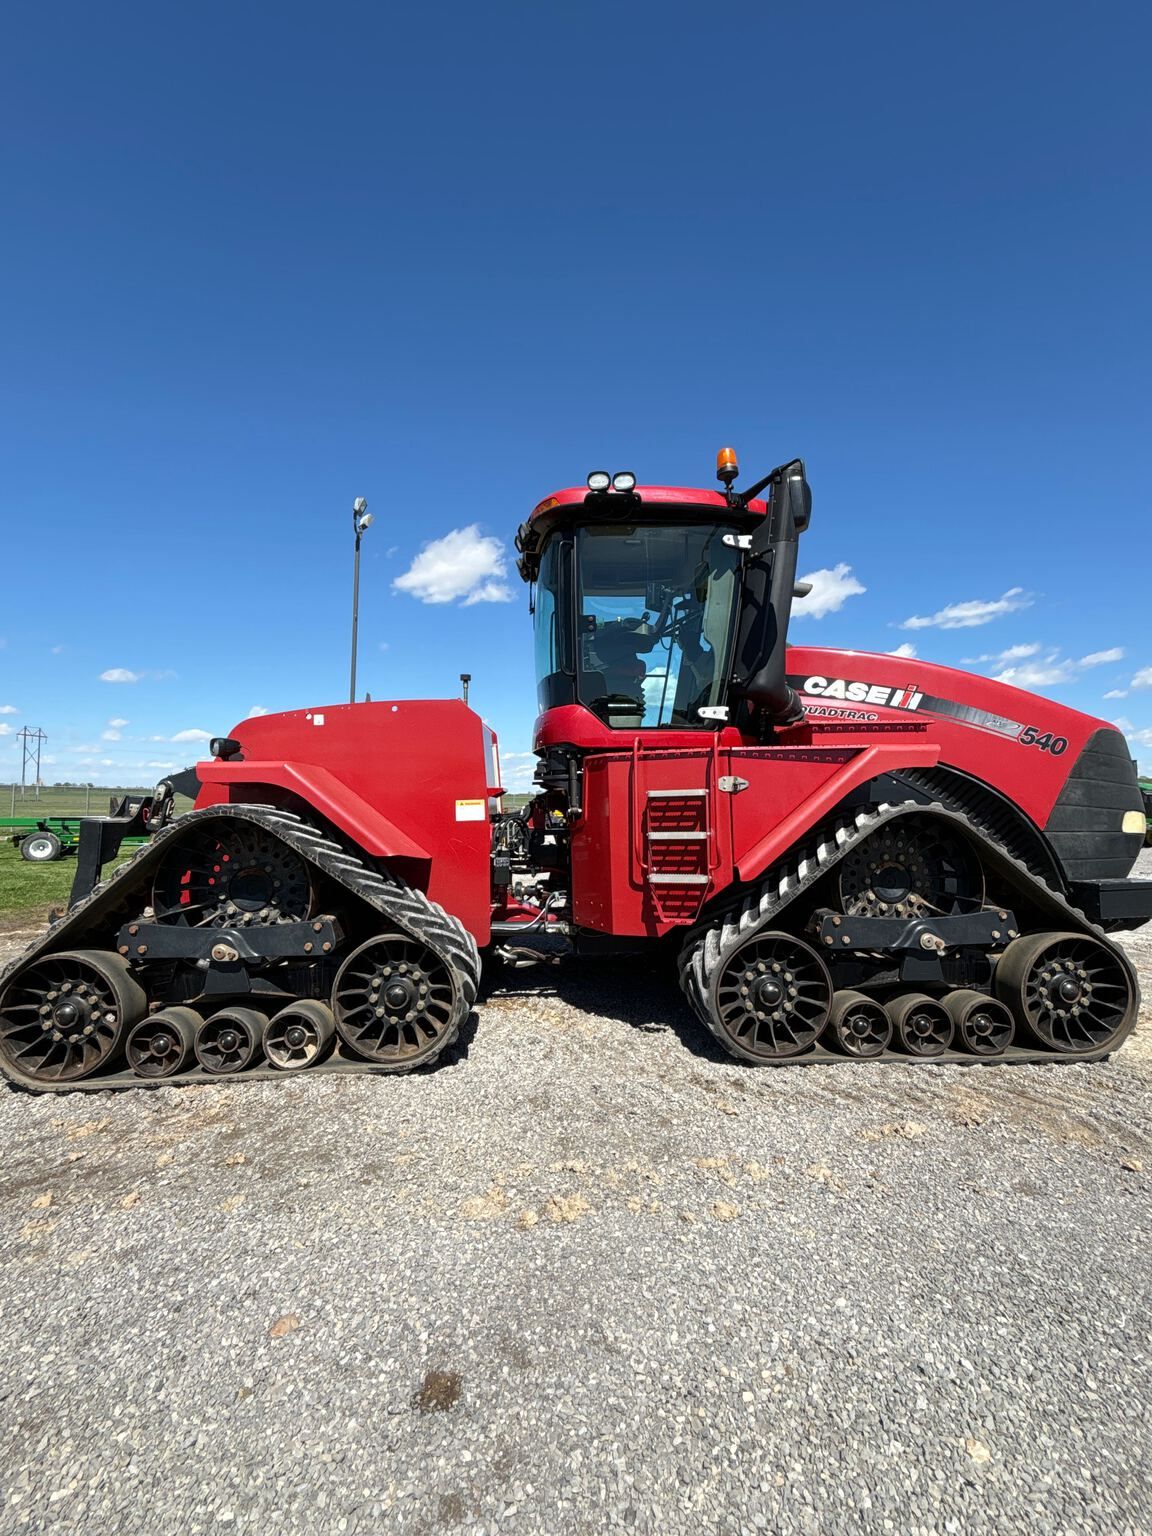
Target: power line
31,741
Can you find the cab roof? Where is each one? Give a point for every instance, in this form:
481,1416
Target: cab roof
661,495
646,501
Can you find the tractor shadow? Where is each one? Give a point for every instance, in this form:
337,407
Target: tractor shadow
635,990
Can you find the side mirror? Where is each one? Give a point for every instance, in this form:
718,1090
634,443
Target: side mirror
800,500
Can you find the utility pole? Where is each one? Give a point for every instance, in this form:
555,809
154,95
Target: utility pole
361,520
465,678
31,741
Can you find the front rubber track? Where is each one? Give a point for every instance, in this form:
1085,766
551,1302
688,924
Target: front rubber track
765,906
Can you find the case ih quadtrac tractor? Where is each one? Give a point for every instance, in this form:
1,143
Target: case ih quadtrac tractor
848,856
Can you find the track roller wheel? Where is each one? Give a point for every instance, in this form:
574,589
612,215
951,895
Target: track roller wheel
860,1026
63,1017
164,1043
396,1001
298,1035
230,1040
923,1026
769,999
1068,989
984,1026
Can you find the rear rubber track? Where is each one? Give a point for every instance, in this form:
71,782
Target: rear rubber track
93,922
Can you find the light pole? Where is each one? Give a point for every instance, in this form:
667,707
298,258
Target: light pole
361,520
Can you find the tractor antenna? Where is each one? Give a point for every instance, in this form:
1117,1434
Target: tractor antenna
465,678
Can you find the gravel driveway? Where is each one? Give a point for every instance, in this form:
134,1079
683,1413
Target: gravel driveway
588,1274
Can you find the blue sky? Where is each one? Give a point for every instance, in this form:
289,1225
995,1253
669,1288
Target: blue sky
258,261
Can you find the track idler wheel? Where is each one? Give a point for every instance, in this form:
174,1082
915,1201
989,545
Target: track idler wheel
63,1017
860,1026
395,999
164,1043
299,1035
1068,989
983,1025
923,1027
230,1040
770,998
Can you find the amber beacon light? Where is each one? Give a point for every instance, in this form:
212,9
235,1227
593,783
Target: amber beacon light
726,466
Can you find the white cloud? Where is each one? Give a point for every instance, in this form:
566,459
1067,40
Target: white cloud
257,709
1025,667
5,730
56,650
1116,693
831,589
1037,674
162,766
123,675
1143,678
970,614
117,723
8,709
465,564
1101,658
189,735
906,650
111,736
1012,653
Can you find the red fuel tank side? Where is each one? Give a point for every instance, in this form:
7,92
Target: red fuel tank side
1022,745
407,781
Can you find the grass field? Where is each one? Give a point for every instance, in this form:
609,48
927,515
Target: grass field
29,890
62,800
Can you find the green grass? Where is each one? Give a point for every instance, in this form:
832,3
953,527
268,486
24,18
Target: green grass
28,890
61,800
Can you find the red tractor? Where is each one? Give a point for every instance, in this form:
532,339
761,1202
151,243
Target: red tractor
848,856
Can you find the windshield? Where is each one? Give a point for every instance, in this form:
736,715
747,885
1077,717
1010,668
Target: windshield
654,618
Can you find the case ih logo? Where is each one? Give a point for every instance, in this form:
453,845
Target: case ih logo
862,693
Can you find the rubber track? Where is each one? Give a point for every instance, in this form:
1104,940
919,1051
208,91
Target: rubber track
403,908
711,941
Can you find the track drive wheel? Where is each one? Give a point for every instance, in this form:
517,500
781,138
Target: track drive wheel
397,1001
921,1024
769,998
298,1035
859,1025
163,1044
231,873
984,1026
63,1017
230,1040
1068,989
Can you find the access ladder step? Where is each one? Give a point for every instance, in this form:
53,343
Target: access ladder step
678,879
678,837
676,794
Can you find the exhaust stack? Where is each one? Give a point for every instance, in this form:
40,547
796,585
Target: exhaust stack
759,671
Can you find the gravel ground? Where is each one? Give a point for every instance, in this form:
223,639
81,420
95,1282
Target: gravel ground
586,1275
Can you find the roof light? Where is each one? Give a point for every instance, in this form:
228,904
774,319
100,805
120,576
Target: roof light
726,466
624,481
599,480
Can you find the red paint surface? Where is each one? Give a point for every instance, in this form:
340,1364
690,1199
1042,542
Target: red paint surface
388,775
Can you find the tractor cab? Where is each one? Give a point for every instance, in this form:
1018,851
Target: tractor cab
647,611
